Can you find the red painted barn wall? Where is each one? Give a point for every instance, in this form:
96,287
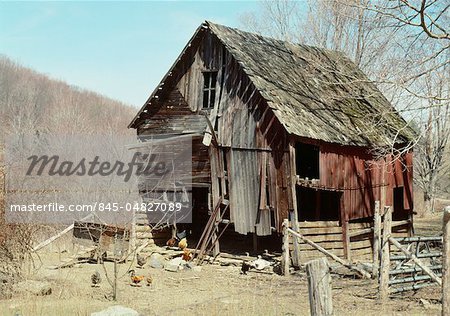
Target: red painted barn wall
355,172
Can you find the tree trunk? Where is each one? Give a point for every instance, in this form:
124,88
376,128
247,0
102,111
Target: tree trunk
428,203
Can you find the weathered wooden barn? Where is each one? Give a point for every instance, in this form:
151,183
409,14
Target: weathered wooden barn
282,130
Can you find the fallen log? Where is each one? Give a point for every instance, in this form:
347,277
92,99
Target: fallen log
61,233
345,263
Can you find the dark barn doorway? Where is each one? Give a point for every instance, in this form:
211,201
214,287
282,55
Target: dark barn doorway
307,161
318,205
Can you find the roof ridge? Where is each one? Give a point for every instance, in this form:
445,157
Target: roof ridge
267,37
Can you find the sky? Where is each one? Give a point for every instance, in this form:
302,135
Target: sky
119,49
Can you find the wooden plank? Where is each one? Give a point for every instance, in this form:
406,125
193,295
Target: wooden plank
360,232
285,247
313,252
328,246
143,228
53,238
400,234
359,226
293,197
325,244
319,224
361,244
399,227
363,252
143,235
324,238
405,222
320,231
362,272
60,234
420,238
357,255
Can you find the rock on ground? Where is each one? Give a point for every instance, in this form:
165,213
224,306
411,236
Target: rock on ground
174,264
157,261
39,288
116,310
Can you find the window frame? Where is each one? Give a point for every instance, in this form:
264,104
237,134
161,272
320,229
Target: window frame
209,88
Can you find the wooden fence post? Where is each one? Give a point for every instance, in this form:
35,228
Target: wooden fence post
346,240
286,247
345,229
132,249
376,240
319,287
385,255
446,263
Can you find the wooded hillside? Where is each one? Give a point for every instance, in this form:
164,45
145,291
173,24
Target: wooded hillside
31,102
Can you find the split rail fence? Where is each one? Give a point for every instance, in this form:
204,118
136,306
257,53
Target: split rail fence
399,263
408,263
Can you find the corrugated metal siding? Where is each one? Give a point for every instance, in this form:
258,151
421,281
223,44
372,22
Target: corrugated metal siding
244,190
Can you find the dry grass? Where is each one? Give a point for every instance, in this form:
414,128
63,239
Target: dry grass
215,290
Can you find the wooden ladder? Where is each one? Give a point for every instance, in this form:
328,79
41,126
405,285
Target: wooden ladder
211,234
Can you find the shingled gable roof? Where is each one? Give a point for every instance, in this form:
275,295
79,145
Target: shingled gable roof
314,93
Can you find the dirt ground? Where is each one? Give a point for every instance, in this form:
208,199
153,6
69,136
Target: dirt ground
212,291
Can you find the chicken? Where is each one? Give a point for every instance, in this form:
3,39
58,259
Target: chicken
187,255
135,279
246,266
149,280
171,242
96,279
141,260
183,244
261,264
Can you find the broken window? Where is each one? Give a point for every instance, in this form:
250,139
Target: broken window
209,89
399,211
307,161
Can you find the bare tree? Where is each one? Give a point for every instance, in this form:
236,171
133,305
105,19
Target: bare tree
431,149
429,16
